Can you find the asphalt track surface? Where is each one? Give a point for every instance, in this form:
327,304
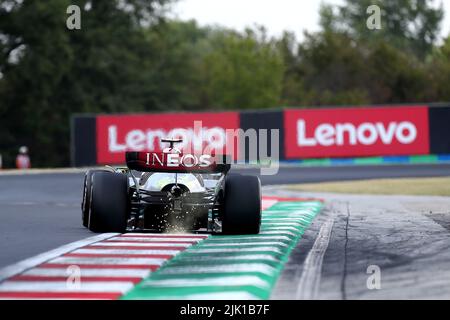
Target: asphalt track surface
406,237
403,239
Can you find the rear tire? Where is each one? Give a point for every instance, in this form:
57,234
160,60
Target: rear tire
85,204
242,205
108,202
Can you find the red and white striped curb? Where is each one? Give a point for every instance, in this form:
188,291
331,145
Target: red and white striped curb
104,267
101,267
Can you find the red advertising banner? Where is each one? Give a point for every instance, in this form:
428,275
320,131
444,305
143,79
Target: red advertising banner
356,132
201,132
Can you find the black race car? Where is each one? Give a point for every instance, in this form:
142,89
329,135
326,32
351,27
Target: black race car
171,192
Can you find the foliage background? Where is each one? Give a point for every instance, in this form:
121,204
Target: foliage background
128,57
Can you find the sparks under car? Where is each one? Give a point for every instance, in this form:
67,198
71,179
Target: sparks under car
171,191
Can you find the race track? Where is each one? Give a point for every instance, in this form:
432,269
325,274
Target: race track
406,237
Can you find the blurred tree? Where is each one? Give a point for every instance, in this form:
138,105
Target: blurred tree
409,25
128,57
293,88
241,71
333,69
36,55
439,70
394,76
49,72
180,48
346,63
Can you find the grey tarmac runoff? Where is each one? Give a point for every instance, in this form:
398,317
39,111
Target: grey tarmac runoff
406,238
307,250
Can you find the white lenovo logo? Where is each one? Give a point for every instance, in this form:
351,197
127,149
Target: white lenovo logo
150,140
366,133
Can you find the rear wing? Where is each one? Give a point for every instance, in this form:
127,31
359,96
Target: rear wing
177,162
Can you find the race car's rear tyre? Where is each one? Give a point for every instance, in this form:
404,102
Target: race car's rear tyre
242,205
108,202
85,204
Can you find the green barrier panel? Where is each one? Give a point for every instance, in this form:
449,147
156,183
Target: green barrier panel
316,162
369,161
424,159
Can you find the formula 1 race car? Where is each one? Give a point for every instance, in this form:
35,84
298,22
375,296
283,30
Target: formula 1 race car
171,192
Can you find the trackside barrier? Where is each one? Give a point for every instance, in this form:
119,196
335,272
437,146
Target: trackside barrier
340,133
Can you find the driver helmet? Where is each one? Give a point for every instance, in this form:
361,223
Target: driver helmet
23,150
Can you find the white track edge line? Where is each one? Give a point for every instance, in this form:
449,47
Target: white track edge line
308,286
21,266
